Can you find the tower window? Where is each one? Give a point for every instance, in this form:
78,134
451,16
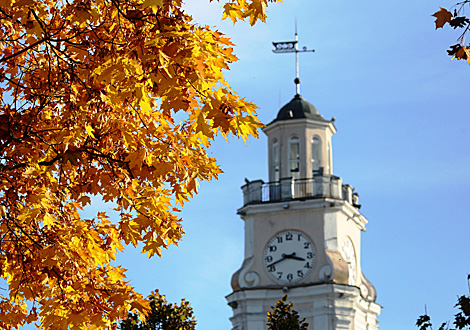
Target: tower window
275,161
294,157
316,154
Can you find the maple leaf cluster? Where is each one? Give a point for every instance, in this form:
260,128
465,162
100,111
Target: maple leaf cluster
241,9
110,99
456,20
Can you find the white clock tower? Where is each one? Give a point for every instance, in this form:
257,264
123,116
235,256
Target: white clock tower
302,233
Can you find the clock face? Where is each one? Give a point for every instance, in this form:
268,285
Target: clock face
289,256
349,255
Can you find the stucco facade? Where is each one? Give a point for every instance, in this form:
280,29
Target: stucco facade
303,197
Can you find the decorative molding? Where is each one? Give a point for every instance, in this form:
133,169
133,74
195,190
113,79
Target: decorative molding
243,278
251,279
364,290
294,123
368,292
326,273
340,267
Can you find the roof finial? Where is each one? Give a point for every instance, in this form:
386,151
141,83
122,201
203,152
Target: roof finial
292,47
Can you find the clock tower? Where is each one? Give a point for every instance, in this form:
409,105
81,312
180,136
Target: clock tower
302,233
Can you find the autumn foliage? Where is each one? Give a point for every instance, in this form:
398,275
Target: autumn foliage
162,316
461,319
456,20
284,317
103,99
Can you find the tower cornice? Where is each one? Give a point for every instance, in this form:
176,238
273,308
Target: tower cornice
308,122
327,204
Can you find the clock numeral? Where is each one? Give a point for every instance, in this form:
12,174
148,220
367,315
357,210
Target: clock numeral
290,277
300,273
298,237
272,268
306,245
272,248
269,258
289,237
279,239
310,255
307,265
279,275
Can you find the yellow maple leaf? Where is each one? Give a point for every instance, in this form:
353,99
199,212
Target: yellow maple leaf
153,4
467,51
48,220
258,11
89,130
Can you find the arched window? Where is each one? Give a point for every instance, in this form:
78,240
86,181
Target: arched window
316,154
275,161
294,157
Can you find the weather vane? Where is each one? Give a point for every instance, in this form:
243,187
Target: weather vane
292,47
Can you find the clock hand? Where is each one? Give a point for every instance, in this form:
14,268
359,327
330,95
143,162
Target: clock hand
277,261
296,258
293,256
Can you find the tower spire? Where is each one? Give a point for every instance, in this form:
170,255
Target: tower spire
292,47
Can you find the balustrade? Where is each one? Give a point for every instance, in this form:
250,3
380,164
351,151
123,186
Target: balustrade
331,186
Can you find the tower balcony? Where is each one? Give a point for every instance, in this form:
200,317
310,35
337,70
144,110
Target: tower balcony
286,189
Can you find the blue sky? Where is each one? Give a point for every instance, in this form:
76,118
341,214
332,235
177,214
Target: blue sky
402,114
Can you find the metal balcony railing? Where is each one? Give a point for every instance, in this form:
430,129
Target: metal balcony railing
319,186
